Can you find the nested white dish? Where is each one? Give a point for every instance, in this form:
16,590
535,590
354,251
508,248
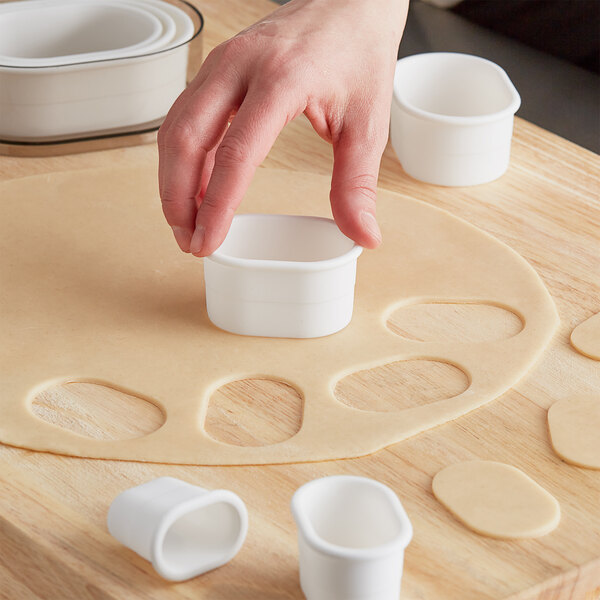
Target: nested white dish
104,96
41,33
452,118
282,276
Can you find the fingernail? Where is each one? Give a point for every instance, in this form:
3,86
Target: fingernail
370,224
197,240
183,237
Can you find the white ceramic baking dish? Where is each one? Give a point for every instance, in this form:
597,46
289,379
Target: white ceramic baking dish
101,96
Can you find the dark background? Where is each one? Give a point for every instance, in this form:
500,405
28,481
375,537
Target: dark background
549,48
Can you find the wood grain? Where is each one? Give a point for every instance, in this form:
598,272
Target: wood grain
254,412
96,411
429,322
400,385
53,539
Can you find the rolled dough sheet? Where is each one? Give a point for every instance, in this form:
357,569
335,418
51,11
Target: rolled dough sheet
574,426
585,338
496,500
95,290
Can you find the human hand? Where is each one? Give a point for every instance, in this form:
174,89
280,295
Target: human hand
332,60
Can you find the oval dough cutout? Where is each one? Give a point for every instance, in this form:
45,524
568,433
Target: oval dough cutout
401,384
585,338
254,412
574,426
496,500
97,411
454,322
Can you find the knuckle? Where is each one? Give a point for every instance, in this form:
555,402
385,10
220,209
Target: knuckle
278,68
173,207
232,152
281,72
213,55
211,204
177,209
213,207
364,184
233,49
168,199
179,137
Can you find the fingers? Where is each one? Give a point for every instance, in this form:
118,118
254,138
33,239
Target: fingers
248,140
357,154
183,148
209,165
199,79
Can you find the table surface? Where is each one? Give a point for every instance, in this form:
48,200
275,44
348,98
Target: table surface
53,539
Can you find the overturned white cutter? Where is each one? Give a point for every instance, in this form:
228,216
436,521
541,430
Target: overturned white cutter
183,529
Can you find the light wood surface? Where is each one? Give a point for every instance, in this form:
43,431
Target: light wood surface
53,539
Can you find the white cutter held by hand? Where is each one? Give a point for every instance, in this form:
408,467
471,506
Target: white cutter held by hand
183,529
352,532
282,276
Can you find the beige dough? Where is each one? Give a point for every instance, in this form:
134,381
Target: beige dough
94,289
585,338
496,500
574,426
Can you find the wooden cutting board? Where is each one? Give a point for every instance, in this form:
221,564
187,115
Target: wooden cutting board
53,539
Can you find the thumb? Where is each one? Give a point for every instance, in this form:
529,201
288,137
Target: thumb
356,155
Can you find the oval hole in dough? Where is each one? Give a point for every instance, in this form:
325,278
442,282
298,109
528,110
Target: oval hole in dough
254,412
401,384
97,411
454,322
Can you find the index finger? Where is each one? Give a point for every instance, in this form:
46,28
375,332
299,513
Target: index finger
247,142
182,153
